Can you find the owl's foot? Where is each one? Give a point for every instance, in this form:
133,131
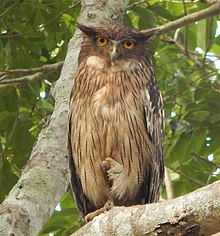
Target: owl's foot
108,205
114,169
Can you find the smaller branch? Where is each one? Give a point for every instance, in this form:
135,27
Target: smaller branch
186,29
209,40
168,185
130,6
205,160
13,127
39,73
42,26
23,79
3,77
213,10
44,68
183,50
13,5
176,35
188,178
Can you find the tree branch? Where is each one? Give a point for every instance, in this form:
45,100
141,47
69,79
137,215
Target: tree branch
168,185
205,160
195,181
44,68
213,10
40,72
13,5
12,128
196,213
130,6
38,28
182,49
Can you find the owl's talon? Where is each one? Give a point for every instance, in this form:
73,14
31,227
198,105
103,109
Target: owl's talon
112,168
108,205
110,163
92,215
105,165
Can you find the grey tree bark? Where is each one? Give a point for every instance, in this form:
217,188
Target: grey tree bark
45,177
196,213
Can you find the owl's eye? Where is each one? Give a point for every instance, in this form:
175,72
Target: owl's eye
128,44
101,41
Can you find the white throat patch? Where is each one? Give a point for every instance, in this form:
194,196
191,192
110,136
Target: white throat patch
116,66
96,62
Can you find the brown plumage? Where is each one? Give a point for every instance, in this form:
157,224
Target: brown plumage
115,122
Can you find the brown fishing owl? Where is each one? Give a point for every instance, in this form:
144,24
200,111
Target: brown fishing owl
115,122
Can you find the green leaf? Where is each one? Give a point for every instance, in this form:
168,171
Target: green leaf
181,85
7,179
201,34
6,119
161,11
196,141
175,155
175,9
127,21
146,18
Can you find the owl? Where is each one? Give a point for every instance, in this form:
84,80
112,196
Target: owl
115,122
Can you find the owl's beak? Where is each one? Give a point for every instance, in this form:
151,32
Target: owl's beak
114,52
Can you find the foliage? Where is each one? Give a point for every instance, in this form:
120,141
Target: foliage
34,33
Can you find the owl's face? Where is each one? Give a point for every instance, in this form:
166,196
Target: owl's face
113,44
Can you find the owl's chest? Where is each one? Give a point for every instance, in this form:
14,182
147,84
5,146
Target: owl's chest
108,100
104,94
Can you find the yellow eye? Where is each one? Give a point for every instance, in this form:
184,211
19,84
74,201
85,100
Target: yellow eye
101,41
128,44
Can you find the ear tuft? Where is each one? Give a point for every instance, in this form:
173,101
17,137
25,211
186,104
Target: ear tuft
149,34
88,30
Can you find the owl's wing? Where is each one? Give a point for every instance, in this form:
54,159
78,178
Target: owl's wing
153,109
83,204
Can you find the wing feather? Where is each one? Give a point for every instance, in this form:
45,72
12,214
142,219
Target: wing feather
83,203
154,117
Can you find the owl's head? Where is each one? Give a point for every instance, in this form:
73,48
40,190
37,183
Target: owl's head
113,43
